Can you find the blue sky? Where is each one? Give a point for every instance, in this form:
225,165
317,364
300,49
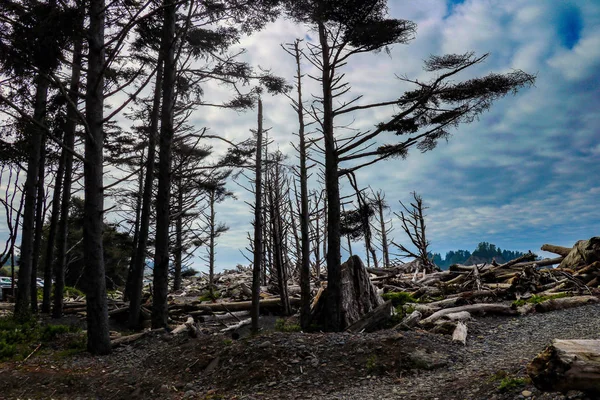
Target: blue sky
524,174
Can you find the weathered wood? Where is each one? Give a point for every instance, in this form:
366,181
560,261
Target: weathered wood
460,333
449,302
583,253
568,365
460,316
183,327
373,318
240,324
270,304
473,309
358,295
560,250
565,302
128,339
410,321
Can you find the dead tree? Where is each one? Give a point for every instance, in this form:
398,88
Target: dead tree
413,224
384,228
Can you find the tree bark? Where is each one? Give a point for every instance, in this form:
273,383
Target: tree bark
178,259
304,213
161,254
258,222
39,224
93,224
137,273
22,306
568,365
69,141
333,257
211,245
50,243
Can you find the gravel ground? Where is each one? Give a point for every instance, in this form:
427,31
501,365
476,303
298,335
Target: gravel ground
494,344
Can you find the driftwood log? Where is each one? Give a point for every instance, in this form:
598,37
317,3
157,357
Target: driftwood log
568,365
583,253
460,333
473,309
565,302
372,319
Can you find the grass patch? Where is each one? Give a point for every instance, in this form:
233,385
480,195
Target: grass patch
281,325
70,291
16,339
511,383
535,299
206,296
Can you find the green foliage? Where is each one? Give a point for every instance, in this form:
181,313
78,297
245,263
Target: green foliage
510,383
281,325
372,365
17,338
535,299
207,296
70,291
227,342
399,298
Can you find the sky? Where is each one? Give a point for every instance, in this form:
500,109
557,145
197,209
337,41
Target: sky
524,174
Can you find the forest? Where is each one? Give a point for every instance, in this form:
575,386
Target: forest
112,185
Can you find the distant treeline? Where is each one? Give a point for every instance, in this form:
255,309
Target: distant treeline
485,252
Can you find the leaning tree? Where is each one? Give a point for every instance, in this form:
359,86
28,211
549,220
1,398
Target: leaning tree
421,116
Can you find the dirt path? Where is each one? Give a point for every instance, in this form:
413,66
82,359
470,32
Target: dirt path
383,365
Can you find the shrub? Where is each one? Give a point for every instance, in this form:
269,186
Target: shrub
281,325
399,298
535,299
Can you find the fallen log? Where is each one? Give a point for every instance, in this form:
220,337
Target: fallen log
460,333
273,303
409,321
583,253
128,339
373,318
184,327
473,309
567,365
244,322
560,250
564,302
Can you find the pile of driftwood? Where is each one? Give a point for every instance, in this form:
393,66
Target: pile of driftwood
446,300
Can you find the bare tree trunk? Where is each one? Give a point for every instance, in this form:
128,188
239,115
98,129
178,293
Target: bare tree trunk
69,140
384,241
334,293
137,272
50,243
22,306
97,308
304,250
178,239
211,245
39,224
136,229
276,233
258,239
161,254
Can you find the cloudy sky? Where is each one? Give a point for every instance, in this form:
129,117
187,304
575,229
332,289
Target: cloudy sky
524,174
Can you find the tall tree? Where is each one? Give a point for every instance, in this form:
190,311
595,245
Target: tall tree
351,27
258,221
97,308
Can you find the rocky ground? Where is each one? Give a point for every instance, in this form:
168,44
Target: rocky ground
277,365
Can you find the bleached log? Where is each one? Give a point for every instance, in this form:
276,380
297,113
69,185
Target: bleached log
565,302
272,303
244,322
560,250
425,309
583,253
460,333
568,365
460,316
473,309
183,327
449,302
221,317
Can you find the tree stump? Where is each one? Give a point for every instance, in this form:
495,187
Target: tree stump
359,296
567,365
